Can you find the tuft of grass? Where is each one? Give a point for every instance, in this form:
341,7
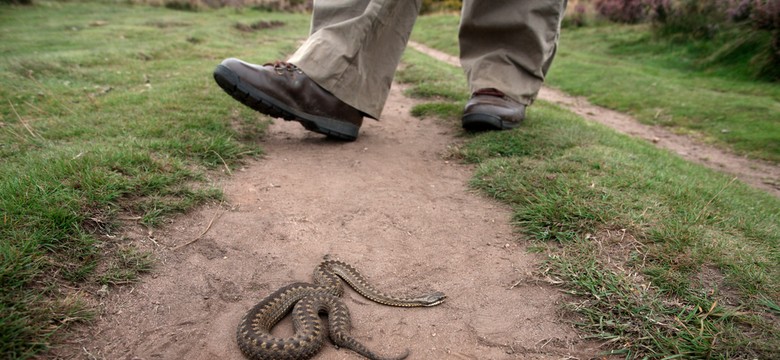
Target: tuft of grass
663,258
444,110
126,265
659,81
109,109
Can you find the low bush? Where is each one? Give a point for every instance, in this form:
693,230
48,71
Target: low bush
744,30
623,11
694,18
735,31
578,14
197,5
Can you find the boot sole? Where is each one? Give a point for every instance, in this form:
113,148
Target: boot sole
259,101
486,122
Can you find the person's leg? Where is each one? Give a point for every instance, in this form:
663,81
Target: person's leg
506,49
342,72
355,47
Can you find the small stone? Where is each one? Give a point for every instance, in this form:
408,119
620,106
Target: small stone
103,292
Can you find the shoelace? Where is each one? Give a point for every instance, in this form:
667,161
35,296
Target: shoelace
280,67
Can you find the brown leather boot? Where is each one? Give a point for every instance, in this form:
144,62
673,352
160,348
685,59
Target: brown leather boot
282,90
491,109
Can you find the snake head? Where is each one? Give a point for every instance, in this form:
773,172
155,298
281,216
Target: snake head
432,299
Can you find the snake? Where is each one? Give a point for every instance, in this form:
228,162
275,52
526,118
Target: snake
307,301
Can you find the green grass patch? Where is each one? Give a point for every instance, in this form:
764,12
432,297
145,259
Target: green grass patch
109,108
660,82
439,31
126,265
436,86
664,258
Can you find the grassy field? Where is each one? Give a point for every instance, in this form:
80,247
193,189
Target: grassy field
664,258
109,109
109,112
623,68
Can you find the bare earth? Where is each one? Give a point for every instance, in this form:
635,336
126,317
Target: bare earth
392,205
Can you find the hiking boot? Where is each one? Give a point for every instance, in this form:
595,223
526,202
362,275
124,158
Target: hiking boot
491,109
282,90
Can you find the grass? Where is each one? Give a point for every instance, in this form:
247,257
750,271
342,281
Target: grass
623,67
663,258
109,109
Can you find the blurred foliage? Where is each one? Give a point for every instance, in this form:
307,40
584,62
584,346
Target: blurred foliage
428,6
197,5
579,13
743,30
732,31
623,11
431,6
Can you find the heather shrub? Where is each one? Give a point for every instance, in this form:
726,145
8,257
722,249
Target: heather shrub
697,19
744,31
578,14
622,11
763,17
196,5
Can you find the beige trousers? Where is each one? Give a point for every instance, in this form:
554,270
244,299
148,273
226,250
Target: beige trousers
355,46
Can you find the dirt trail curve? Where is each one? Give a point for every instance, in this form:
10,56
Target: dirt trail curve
392,205
759,174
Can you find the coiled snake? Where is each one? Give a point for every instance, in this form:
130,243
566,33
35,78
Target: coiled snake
309,300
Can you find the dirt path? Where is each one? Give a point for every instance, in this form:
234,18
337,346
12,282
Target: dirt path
392,205
759,174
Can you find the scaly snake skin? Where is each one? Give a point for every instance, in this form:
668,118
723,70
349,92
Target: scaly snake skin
309,300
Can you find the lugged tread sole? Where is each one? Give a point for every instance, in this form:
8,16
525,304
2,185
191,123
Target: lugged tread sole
259,101
486,122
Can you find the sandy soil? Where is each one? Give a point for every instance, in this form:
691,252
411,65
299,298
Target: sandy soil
759,174
391,204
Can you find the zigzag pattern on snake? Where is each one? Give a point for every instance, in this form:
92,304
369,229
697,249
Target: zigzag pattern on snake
309,300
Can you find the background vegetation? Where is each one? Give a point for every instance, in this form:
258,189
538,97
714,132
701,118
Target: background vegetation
432,6
725,32
742,33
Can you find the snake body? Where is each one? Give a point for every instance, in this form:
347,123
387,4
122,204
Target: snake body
307,301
